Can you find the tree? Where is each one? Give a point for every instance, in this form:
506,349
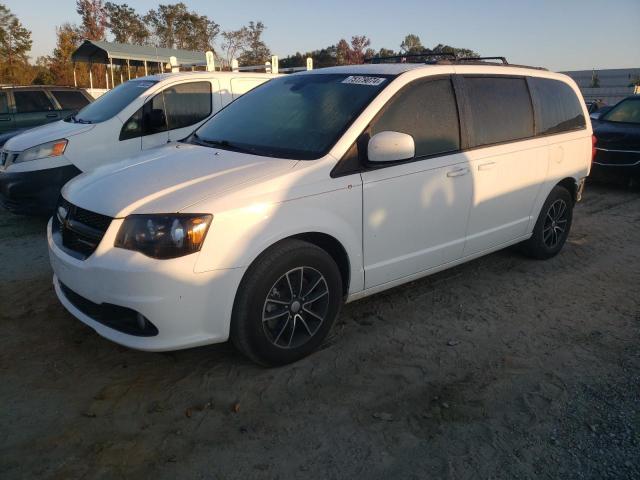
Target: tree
93,19
411,44
174,26
125,24
60,64
595,80
343,52
233,43
15,44
358,45
256,51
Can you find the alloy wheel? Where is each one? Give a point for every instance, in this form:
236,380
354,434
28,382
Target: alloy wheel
296,307
555,224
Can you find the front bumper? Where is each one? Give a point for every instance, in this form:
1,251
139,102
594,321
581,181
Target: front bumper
34,192
615,163
188,309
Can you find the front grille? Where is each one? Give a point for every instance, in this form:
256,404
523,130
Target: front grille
80,229
7,158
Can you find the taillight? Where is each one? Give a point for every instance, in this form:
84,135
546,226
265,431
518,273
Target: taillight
594,140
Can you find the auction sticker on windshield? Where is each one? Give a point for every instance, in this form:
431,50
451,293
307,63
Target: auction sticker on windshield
360,80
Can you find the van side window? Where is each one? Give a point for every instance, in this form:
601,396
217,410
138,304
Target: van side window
4,103
70,99
32,101
187,103
155,116
132,128
426,110
500,109
559,109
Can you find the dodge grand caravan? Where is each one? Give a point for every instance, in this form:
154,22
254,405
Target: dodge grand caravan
134,116
315,189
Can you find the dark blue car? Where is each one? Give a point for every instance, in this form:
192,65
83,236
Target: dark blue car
617,145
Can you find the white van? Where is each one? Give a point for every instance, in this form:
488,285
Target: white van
134,116
318,188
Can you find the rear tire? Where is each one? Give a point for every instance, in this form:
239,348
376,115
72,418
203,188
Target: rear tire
286,303
552,227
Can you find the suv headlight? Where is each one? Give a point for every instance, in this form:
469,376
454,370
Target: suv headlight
164,236
49,149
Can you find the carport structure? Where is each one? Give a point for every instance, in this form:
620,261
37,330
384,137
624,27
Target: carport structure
109,53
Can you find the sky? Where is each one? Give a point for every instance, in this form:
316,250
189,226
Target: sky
559,35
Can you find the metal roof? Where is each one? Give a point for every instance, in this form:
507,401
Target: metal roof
94,51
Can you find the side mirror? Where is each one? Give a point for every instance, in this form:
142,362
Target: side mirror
157,119
390,147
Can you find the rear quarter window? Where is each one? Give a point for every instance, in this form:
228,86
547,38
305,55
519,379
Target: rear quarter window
558,107
4,103
500,109
70,99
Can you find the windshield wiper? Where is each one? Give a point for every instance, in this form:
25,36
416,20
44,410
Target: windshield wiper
223,144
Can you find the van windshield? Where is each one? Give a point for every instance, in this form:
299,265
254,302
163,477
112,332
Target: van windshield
298,117
112,102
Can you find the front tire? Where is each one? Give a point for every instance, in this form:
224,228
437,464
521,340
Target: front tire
286,303
552,227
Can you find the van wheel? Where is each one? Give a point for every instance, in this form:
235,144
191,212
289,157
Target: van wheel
286,303
552,227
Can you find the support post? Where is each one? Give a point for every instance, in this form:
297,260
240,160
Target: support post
113,84
75,80
234,65
128,70
309,63
90,76
146,72
106,77
274,64
121,79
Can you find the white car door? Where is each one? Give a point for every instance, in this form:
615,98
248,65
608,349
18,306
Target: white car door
415,212
508,163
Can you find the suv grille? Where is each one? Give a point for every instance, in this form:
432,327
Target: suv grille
80,229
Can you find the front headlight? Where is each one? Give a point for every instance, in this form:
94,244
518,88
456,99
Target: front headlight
165,235
49,149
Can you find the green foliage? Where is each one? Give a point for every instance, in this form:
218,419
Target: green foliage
174,26
125,24
93,19
255,51
15,44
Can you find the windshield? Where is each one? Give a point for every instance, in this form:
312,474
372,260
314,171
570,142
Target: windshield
627,111
112,102
298,117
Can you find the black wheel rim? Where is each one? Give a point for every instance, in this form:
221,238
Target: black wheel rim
555,224
296,307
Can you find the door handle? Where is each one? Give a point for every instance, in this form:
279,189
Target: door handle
52,115
487,166
5,119
458,172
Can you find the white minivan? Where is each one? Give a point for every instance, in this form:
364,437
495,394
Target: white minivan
135,116
315,189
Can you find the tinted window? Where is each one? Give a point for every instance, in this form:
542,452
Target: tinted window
559,107
4,103
426,110
297,116
132,128
155,116
500,109
187,103
112,102
70,99
31,101
627,111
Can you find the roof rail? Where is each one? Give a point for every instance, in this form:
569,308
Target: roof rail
446,59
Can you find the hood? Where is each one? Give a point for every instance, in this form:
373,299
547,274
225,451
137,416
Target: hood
45,133
617,136
168,179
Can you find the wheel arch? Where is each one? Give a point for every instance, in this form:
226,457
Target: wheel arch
571,185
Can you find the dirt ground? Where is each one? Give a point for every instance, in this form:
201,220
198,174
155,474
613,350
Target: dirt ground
501,368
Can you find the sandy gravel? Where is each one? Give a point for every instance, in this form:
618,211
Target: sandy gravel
501,368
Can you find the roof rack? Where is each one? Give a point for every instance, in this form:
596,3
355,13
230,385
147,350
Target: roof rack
443,58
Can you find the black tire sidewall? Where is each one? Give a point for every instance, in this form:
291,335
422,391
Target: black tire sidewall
536,244
261,276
